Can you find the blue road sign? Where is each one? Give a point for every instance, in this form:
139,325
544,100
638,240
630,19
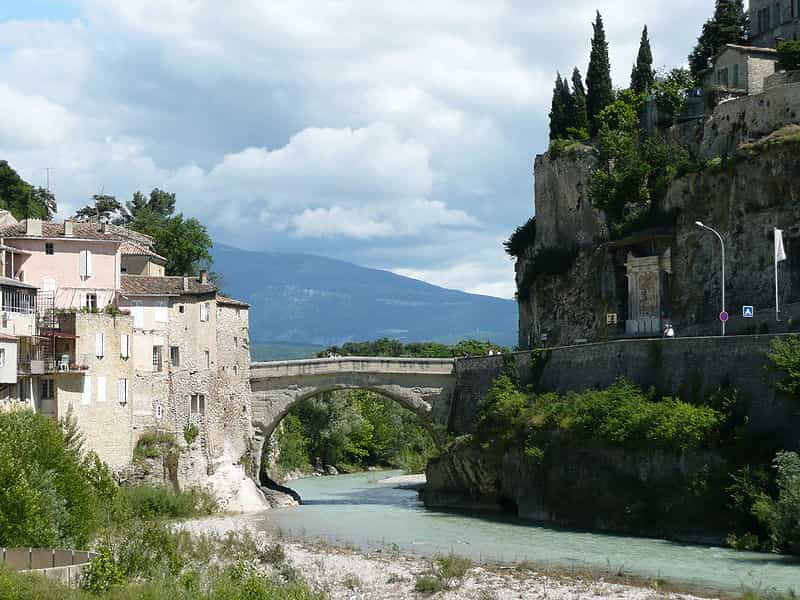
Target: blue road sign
748,312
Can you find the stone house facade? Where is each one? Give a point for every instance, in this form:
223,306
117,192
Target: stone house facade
741,69
121,346
773,20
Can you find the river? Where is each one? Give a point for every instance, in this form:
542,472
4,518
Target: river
357,510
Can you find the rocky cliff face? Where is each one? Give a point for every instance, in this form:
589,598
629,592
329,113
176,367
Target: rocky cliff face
745,197
585,485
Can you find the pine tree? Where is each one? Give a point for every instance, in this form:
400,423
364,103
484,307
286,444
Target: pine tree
643,76
580,119
598,77
729,25
559,114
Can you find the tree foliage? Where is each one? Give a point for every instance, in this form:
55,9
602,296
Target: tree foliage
396,348
789,55
22,199
600,92
51,489
579,123
785,358
642,75
729,25
523,238
104,208
560,109
670,92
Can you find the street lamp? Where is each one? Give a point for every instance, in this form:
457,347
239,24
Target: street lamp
722,243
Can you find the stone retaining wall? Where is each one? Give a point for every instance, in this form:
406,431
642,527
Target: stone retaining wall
686,367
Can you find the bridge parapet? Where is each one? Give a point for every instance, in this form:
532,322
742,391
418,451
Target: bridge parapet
352,364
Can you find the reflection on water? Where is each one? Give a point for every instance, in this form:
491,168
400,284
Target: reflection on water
358,510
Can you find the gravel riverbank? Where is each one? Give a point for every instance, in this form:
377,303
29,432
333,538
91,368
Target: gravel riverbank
389,575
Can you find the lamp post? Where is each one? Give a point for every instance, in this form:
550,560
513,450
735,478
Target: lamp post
722,243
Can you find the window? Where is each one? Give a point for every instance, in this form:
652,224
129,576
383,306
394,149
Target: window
175,356
2,357
235,342
157,358
207,355
46,389
125,345
90,301
181,308
99,345
204,311
48,249
122,391
736,76
161,311
198,404
235,370
722,77
85,263
137,310
86,392
159,411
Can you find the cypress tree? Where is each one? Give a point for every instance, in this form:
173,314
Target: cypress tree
642,76
598,77
729,25
580,119
559,115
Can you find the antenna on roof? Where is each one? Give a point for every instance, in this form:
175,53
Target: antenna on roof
47,171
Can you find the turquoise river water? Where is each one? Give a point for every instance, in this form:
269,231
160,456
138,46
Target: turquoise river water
358,510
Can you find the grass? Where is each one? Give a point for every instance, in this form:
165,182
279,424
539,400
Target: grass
790,134
445,573
151,502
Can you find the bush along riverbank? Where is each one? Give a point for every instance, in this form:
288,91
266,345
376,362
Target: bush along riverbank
621,459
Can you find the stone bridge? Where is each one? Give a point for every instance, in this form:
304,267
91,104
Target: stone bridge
422,385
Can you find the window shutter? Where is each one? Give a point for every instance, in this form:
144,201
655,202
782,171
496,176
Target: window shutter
204,311
101,389
82,264
161,312
122,391
98,345
83,299
86,397
124,345
89,271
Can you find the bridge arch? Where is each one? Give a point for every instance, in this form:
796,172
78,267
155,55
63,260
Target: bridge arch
424,386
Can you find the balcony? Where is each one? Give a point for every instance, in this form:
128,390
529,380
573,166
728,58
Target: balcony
43,355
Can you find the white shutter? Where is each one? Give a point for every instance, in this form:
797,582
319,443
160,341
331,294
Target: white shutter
101,389
161,311
89,271
122,391
98,345
124,345
138,314
82,299
82,264
86,396
204,311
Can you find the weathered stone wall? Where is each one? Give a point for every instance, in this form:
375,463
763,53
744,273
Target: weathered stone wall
686,367
564,214
93,396
749,118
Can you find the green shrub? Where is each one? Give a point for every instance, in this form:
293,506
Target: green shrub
427,583
451,570
789,56
782,514
153,444
524,237
785,358
29,586
190,433
152,501
102,573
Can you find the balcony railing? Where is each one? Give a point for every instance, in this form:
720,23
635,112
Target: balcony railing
66,363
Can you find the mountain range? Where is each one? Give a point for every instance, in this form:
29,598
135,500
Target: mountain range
307,299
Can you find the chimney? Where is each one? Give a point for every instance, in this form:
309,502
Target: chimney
33,227
203,277
68,231
185,283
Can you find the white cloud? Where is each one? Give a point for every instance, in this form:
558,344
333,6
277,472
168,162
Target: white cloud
399,135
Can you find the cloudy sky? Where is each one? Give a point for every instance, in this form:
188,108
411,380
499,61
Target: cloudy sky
397,135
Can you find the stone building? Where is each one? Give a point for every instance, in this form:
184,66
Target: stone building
741,70
95,328
774,20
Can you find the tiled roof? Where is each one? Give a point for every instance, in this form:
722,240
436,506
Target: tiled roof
16,283
140,285
225,301
132,248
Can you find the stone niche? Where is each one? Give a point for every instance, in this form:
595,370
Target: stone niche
648,278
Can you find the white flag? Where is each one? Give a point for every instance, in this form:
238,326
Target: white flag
780,253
